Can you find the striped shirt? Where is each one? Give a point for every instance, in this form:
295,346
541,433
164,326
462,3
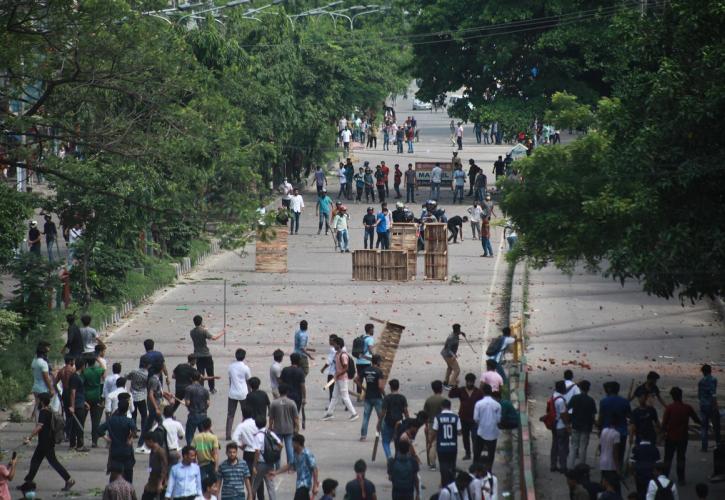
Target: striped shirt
233,476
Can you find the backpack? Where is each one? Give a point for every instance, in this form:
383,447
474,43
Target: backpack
509,418
664,492
549,418
272,451
400,470
57,427
495,346
358,346
350,367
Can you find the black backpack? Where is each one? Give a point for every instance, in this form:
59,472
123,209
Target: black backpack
272,450
350,367
664,492
358,346
495,346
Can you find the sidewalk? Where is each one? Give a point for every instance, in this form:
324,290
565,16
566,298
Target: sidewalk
603,331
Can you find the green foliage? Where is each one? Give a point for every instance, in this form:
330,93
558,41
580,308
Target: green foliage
10,323
513,115
14,212
566,113
34,292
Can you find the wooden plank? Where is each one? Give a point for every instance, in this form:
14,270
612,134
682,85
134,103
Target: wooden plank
271,251
393,265
436,266
412,264
387,346
436,237
404,236
365,265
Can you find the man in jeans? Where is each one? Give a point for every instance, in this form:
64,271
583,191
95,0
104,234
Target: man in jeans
560,432
196,400
395,407
410,184
374,388
583,410
436,176
284,420
709,411
296,206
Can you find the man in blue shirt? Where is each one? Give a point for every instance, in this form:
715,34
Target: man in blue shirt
614,406
447,426
382,229
306,467
301,340
709,411
365,359
120,430
324,207
185,477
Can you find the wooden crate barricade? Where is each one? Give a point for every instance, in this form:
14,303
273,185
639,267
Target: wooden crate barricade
393,265
365,265
404,236
271,256
412,264
436,266
387,345
436,237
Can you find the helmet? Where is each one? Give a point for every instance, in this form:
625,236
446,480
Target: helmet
399,205
371,209
338,203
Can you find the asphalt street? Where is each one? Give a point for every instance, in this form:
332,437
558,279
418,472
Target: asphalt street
264,310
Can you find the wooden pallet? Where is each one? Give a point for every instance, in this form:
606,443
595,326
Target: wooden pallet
436,266
387,345
271,255
436,237
412,264
404,236
393,265
365,265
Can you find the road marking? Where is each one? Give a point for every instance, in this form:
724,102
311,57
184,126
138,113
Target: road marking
490,302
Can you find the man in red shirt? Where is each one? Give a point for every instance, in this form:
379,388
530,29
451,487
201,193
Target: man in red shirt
675,425
386,170
398,177
469,396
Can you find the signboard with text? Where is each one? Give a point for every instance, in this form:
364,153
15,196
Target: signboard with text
423,169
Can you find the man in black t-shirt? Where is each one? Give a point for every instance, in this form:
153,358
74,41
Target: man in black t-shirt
360,488
34,238
257,402
183,374
645,421
583,411
369,221
499,168
46,444
294,377
395,407
74,345
374,388
455,226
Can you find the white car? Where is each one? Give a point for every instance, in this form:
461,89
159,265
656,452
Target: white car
420,105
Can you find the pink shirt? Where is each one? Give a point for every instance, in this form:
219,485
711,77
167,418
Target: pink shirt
4,490
493,379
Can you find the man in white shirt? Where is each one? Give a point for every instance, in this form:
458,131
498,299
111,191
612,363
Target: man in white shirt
89,335
342,361
436,176
245,435
661,481
459,135
458,489
474,213
560,432
297,204
239,373
484,485
487,415
111,401
109,383
609,442
346,135
174,432
571,388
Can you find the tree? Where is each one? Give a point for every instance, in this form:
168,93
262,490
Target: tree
642,196
14,212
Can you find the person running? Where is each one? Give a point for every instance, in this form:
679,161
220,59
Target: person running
239,374
395,407
204,361
307,484
675,426
432,407
185,477
342,361
323,209
487,415
469,395
234,475
45,449
450,356
403,474
447,428
360,488
197,402
374,391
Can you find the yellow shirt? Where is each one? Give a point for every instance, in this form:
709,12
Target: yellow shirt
205,444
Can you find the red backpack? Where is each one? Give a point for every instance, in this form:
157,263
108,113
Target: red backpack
549,417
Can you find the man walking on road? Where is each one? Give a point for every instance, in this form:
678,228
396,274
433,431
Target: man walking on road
297,204
410,184
487,415
469,396
436,177
709,411
196,400
450,356
676,425
323,208
294,377
362,353
239,374
395,407
560,432
302,338
447,428
342,361
583,410
432,407
204,361
374,389
284,420
304,464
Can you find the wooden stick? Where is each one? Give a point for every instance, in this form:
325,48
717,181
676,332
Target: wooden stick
225,312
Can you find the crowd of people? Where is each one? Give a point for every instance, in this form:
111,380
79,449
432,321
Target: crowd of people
365,130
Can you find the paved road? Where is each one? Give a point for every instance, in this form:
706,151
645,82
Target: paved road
622,334
264,310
